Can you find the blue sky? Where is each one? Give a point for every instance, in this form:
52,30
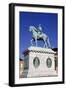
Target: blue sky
49,22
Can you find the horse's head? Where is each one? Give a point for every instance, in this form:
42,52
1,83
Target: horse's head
30,28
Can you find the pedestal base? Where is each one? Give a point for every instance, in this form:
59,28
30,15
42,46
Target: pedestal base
42,74
40,62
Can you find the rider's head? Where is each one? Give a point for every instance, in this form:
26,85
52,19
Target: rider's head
39,25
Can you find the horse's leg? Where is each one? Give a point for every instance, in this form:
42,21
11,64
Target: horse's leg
31,42
36,42
48,42
45,44
44,40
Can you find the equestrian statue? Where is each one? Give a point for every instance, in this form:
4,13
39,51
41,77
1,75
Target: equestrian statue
37,34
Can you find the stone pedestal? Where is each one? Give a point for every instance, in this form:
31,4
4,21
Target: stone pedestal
39,62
